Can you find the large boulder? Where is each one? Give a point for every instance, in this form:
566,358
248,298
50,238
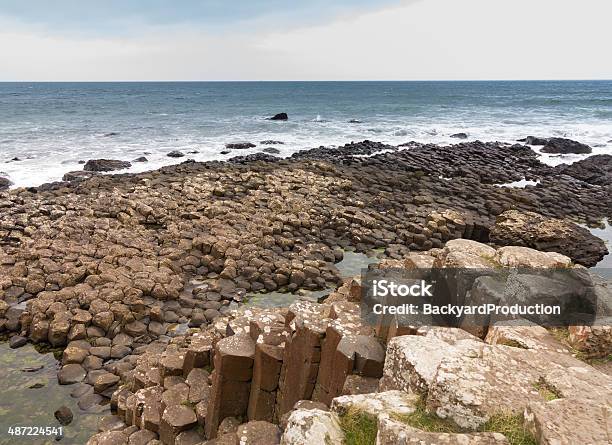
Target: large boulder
565,146
529,229
105,165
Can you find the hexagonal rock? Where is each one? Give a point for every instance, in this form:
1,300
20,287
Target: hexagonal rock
72,373
259,433
105,381
569,421
398,433
312,427
301,360
198,351
175,419
412,361
148,404
234,357
142,437
266,374
469,388
171,364
109,438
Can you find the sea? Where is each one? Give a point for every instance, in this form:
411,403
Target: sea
48,129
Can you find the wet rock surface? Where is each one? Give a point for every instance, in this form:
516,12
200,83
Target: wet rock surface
105,165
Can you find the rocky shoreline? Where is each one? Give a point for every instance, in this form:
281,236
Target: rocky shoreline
104,267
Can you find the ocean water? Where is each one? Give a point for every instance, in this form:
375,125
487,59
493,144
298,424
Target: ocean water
50,127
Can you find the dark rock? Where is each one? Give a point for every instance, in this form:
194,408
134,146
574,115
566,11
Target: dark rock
72,373
240,145
4,183
271,142
78,175
141,159
459,135
175,154
279,117
17,341
105,165
112,133
595,169
64,415
271,150
565,146
354,121
533,140
225,152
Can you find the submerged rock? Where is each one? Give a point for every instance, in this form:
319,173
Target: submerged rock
271,150
105,165
175,154
459,135
533,140
64,415
16,341
141,159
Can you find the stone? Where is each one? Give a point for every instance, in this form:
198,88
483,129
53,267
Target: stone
565,146
391,431
312,427
64,415
386,403
175,419
240,145
105,165
17,341
279,117
142,437
459,135
72,373
104,382
175,154
233,371
529,229
568,421
259,433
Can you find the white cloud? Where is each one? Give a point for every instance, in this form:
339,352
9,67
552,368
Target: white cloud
429,39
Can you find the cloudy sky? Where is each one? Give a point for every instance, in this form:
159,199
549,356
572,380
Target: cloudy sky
304,40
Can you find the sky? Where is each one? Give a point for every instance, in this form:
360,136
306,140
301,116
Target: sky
92,40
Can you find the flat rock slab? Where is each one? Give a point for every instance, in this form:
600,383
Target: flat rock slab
72,373
312,427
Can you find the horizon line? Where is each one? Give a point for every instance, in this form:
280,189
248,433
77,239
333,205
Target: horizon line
302,80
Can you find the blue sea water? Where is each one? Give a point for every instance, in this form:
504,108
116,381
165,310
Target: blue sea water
50,127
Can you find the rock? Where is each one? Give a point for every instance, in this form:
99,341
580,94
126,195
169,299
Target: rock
529,229
175,419
72,373
412,361
279,117
141,159
595,341
565,146
533,140
595,169
272,142
312,427
63,415
568,421
231,384
78,175
271,150
175,154
104,382
105,165
387,403
459,135
240,145
111,423
524,257
5,183
17,341
259,433
392,431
